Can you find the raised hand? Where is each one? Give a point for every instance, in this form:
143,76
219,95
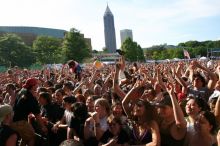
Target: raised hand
170,88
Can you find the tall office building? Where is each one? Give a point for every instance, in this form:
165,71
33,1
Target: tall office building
109,28
125,33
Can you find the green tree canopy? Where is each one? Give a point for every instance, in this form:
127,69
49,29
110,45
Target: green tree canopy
48,50
133,51
14,52
74,46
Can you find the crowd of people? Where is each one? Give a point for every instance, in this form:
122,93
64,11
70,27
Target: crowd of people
124,104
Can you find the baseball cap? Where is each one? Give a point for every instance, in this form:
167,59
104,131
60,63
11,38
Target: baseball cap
30,83
166,101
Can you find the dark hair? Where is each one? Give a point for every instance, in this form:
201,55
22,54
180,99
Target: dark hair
58,86
69,99
42,89
69,85
46,96
71,63
11,86
210,117
81,98
61,91
150,112
198,75
79,110
9,71
201,103
112,118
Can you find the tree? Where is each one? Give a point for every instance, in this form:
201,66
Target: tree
48,50
105,50
133,51
14,52
74,46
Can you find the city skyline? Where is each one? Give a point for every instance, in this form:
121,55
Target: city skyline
152,22
126,33
109,30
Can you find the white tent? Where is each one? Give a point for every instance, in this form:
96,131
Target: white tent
203,58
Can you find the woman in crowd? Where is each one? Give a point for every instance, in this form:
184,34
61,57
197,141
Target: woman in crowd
96,125
10,96
172,123
204,130
90,104
198,111
76,128
115,135
118,111
144,128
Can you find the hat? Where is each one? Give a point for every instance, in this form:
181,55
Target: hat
4,111
30,83
165,101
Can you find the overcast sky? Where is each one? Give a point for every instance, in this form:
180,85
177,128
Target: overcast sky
153,22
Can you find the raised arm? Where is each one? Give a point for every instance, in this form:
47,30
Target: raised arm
133,94
212,76
180,128
91,81
116,87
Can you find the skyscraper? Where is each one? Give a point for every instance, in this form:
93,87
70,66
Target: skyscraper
109,28
125,33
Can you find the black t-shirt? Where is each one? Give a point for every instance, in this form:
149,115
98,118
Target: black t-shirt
78,126
52,112
25,105
5,133
123,137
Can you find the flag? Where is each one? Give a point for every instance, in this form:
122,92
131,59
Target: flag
186,54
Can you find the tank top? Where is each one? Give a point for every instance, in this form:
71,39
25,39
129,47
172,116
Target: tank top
145,138
167,139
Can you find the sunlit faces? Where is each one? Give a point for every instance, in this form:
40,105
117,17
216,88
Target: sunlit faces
59,97
117,110
197,82
90,104
138,109
192,107
101,110
102,107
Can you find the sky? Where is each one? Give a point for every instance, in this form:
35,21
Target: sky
153,22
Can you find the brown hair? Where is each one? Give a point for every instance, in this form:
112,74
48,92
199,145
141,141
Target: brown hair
103,102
